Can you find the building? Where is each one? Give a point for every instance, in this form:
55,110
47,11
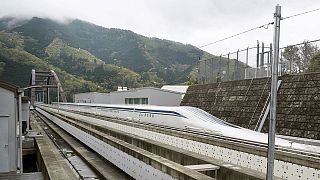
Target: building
92,97
8,127
147,95
167,96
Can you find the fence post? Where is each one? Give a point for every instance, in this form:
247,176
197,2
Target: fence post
236,68
247,59
258,53
228,69
262,60
262,55
205,71
271,54
212,70
220,63
198,69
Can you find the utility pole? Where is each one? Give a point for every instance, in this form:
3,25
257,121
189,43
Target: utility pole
273,99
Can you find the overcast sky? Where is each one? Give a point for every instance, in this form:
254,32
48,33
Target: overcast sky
195,22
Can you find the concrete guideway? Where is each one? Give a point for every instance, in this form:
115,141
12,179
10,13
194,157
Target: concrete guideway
304,166
178,155
54,166
24,176
138,163
106,170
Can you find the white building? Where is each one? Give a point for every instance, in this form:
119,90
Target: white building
8,127
168,96
147,95
92,97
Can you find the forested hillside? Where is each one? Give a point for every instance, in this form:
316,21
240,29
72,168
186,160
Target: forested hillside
99,58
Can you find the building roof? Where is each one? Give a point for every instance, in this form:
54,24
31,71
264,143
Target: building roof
177,88
153,88
142,88
8,86
93,93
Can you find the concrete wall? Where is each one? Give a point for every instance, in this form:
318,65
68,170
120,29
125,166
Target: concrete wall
241,103
155,96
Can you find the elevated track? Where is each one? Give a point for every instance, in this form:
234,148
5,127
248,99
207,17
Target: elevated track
145,150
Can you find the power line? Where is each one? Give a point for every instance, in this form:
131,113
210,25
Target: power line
299,14
300,43
258,27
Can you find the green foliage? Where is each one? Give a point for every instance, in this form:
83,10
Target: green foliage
82,63
193,78
11,40
17,64
315,64
171,61
87,57
2,64
152,79
298,58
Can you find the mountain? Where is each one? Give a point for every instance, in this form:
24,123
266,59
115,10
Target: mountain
171,61
16,65
83,64
99,56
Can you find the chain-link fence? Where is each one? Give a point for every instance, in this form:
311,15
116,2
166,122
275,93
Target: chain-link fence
255,62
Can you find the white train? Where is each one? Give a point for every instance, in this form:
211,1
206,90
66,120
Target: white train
184,117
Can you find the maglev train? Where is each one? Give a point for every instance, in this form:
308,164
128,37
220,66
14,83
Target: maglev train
183,117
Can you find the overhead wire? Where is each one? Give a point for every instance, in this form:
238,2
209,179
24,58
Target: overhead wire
243,32
299,14
258,27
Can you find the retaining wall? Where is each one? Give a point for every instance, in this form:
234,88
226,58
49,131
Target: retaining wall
241,103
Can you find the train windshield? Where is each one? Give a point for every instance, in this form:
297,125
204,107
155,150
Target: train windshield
201,114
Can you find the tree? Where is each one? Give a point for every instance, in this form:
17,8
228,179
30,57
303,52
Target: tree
291,59
315,63
296,59
193,79
307,52
2,64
